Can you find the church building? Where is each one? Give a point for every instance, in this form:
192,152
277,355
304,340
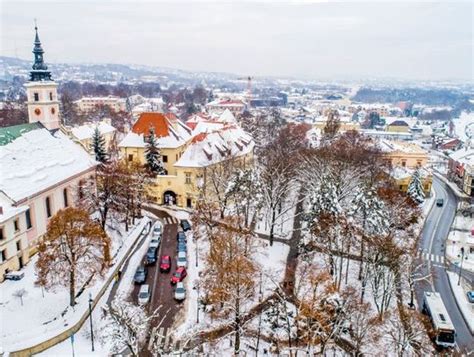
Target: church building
41,169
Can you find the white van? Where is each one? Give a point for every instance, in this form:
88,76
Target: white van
144,294
181,260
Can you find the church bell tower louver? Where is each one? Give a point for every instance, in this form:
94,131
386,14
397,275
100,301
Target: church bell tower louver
41,90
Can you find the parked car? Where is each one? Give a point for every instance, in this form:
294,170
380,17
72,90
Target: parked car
155,242
157,229
144,294
185,225
165,263
151,256
178,275
439,202
181,247
181,260
140,275
15,275
470,296
181,236
180,292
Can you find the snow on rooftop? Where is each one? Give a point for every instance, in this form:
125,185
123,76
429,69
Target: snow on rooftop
38,160
210,148
86,131
227,117
401,146
133,140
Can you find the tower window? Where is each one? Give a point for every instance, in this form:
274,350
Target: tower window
51,96
65,195
37,98
28,219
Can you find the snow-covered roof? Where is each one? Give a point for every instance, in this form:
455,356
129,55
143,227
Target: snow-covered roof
400,173
133,140
8,210
38,160
207,126
227,117
210,148
86,131
463,155
400,146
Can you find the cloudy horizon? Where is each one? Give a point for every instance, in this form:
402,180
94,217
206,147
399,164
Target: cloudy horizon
285,39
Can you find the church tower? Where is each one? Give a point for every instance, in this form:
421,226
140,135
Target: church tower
41,91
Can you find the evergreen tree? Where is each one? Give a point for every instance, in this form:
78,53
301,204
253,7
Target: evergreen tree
98,143
415,188
153,156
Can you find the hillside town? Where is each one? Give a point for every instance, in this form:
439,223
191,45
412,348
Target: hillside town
152,212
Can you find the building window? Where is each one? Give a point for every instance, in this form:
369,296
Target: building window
188,178
36,97
48,207
16,224
165,158
404,163
176,157
418,162
18,246
81,189
66,202
130,157
51,96
28,219
1,234
3,256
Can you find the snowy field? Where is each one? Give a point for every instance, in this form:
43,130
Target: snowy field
461,128
45,314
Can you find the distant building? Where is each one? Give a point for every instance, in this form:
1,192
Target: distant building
236,106
461,169
41,170
398,126
87,104
84,134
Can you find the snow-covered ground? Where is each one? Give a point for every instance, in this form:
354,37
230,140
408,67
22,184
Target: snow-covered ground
464,125
460,236
45,314
467,308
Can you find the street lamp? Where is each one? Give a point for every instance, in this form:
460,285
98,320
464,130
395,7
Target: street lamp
90,318
460,265
197,302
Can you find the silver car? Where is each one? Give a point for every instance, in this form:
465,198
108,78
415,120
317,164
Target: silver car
181,260
180,291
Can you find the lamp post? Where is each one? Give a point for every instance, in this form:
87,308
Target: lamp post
197,302
460,265
90,318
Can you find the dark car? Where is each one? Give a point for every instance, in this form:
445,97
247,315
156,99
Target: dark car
151,256
140,275
439,202
181,236
182,247
185,225
178,275
165,263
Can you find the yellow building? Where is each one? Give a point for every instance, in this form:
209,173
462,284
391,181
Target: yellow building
187,155
84,134
404,158
398,126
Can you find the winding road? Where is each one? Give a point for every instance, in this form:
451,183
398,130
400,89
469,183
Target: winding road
432,247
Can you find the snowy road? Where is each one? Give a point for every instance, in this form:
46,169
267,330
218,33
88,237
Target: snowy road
435,233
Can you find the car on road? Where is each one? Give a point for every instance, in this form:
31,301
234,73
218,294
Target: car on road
439,202
181,247
181,236
140,275
157,229
180,291
144,294
165,263
185,225
178,275
151,256
470,296
181,260
155,242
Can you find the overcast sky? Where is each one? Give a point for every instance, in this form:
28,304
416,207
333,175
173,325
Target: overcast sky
306,39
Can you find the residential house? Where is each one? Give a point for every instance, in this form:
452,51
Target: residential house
399,126
84,134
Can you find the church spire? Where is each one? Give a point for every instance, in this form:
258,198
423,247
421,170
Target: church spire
40,70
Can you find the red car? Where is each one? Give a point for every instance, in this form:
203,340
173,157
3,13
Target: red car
178,275
165,263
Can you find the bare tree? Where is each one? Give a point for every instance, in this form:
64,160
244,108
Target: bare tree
19,294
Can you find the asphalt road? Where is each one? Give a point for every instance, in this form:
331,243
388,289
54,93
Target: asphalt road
162,292
435,233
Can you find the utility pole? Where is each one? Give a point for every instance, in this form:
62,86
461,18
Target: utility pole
90,318
460,265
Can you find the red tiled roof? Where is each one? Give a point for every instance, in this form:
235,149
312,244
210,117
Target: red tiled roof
199,137
157,121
